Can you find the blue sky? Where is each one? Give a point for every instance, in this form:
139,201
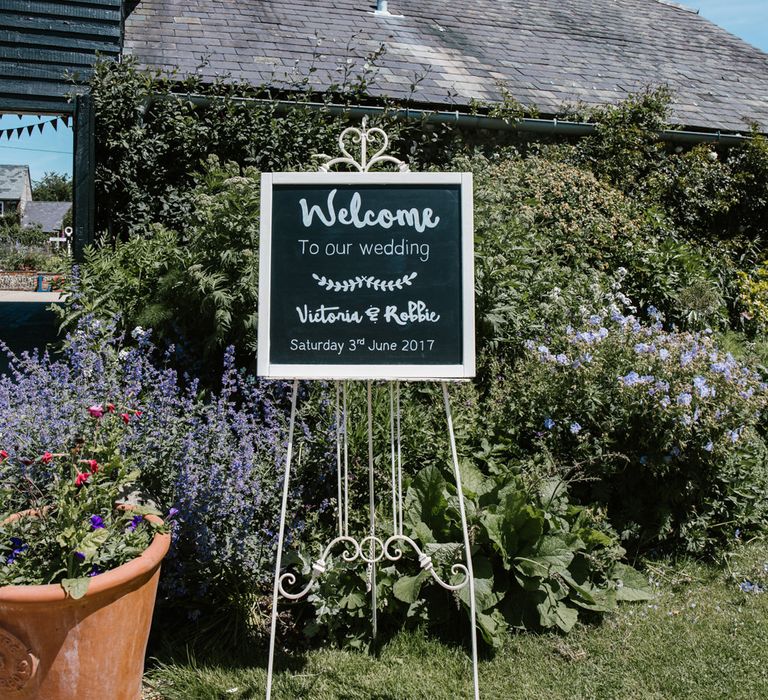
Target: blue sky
745,18
51,151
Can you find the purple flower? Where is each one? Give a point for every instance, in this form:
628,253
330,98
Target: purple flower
97,523
684,399
79,556
595,320
663,354
575,428
135,521
18,548
562,359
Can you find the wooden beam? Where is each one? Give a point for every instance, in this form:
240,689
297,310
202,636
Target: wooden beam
40,56
43,40
44,25
17,104
84,174
61,9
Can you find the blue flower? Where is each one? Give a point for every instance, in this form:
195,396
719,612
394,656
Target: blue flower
575,428
549,423
684,399
709,446
595,319
562,359
630,379
734,435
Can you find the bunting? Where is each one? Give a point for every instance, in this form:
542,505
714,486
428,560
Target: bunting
18,131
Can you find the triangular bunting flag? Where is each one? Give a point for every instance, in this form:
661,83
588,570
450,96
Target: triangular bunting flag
9,133
19,131
55,124
30,129
40,126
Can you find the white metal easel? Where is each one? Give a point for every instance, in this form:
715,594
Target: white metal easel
370,549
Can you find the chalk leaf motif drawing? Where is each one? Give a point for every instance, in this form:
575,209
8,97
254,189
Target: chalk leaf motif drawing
365,281
17,664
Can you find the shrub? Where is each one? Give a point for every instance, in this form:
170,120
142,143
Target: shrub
539,563
668,430
550,236
217,458
195,287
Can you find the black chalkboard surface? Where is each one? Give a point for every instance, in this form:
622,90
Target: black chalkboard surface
365,276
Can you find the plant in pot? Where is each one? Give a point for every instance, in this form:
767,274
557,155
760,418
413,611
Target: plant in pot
78,569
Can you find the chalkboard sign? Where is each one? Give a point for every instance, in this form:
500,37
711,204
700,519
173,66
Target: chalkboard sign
366,276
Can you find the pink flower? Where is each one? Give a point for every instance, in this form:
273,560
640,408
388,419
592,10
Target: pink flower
126,417
3,455
111,407
137,414
93,465
96,411
81,478
47,457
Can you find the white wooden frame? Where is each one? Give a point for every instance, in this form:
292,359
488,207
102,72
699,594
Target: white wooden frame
465,370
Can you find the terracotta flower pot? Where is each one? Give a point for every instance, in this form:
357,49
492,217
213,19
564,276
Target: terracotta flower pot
55,648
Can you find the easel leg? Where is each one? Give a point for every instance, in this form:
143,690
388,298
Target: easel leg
467,549
372,506
280,539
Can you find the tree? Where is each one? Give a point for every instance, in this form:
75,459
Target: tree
52,187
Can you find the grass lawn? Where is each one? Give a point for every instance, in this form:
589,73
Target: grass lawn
702,637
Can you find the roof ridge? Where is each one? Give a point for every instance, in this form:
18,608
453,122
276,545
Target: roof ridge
678,6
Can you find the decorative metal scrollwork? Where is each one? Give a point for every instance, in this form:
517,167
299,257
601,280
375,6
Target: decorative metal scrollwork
364,137
18,665
378,551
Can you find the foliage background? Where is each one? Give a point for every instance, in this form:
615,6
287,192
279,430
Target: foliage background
616,222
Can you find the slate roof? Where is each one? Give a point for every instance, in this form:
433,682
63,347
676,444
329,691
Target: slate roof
13,181
548,52
48,215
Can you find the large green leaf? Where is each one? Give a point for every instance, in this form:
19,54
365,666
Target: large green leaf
425,505
408,588
90,544
487,594
552,555
633,585
76,587
492,627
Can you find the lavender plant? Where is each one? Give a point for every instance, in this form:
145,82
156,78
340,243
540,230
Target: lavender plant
217,457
